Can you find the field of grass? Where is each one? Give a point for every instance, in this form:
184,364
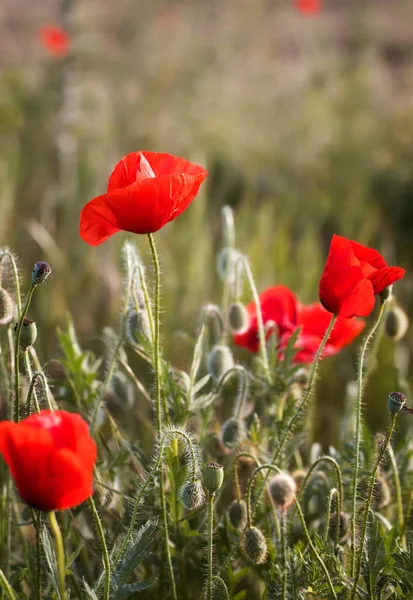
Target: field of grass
305,127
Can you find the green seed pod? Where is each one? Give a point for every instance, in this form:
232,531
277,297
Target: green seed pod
397,323
137,327
28,333
396,402
238,318
343,523
213,476
6,307
255,546
232,432
191,494
237,514
381,493
220,361
282,490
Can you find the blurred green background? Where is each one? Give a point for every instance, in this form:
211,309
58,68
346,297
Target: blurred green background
304,123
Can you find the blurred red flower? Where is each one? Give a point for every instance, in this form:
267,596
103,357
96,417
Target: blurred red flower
352,276
309,7
280,306
51,458
145,191
55,40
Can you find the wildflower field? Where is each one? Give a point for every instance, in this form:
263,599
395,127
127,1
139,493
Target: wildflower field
205,290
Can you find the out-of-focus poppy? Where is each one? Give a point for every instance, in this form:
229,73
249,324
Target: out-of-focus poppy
55,40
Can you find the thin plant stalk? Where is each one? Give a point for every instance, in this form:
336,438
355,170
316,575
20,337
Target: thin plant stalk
357,434
32,388
383,449
210,542
399,500
158,404
37,523
17,350
8,254
60,553
37,375
104,547
333,494
315,551
6,587
283,555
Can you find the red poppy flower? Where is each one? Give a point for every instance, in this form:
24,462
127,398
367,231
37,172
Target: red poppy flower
55,40
352,276
309,7
314,320
279,305
146,190
51,458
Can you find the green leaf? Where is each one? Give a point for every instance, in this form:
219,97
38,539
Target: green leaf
127,590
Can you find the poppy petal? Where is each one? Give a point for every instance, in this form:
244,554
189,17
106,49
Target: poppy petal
132,168
97,221
382,278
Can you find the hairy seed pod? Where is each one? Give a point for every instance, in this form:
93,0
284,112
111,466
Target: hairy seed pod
191,494
238,318
381,493
6,307
213,477
396,402
282,490
397,323
255,546
137,327
220,361
237,514
343,524
28,333
232,431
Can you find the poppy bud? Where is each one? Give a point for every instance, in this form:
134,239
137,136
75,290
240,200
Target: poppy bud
228,264
237,514
238,318
6,307
192,495
220,361
137,327
381,493
255,546
41,272
213,477
282,490
397,323
28,333
395,402
232,432
299,476
343,523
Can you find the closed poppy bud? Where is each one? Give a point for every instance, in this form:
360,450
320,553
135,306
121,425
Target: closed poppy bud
51,457
232,432
213,477
228,264
299,475
397,323
255,546
237,514
41,272
137,327
28,333
192,495
282,490
220,361
238,317
396,402
6,307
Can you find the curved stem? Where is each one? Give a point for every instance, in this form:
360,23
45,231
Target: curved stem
16,353
333,494
236,478
357,434
158,402
42,376
315,552
223,586
104,547
249,487
6,586
15,277
60,553
383,448
210,540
